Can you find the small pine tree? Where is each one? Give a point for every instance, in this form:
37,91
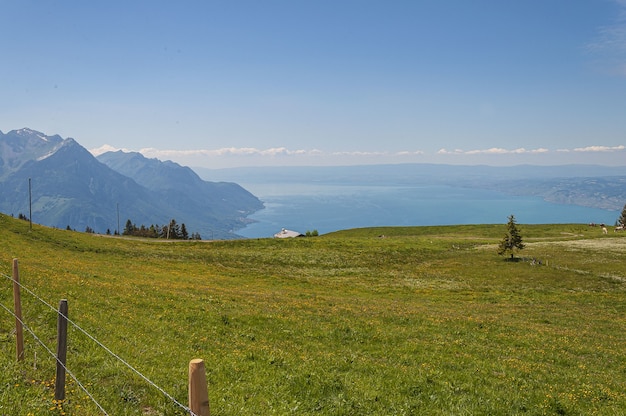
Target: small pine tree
622,218
512,240
173,230
129,229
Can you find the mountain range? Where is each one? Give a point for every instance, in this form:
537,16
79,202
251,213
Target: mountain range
71,187
592,186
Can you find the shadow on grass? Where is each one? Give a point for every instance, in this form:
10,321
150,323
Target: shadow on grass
513,259
531,260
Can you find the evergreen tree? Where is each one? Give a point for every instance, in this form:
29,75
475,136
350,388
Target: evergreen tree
143,231
174,233
512,240
622,218
129,229
183,232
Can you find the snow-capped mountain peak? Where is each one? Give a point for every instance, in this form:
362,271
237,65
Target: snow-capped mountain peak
26,132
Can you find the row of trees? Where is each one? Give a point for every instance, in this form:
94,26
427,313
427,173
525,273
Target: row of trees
171,231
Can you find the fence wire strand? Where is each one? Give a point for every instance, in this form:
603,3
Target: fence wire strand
67,370
91,337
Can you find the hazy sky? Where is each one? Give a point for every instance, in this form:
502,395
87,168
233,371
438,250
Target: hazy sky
234,83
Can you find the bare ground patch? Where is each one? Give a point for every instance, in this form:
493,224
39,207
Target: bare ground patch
615,245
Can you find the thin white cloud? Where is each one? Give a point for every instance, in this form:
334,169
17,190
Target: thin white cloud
444,151
611,39
251,151
105,148
409,153
226,151
492,151
360,153
235,156
600,149
610,43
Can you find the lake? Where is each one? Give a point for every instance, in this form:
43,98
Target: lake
306,207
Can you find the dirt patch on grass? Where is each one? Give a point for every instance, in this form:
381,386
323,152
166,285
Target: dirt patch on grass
615,245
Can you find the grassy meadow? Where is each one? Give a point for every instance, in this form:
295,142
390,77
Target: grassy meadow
380,321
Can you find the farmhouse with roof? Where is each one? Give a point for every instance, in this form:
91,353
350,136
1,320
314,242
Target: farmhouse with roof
284,233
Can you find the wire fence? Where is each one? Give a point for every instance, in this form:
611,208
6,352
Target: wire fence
78,383
93,339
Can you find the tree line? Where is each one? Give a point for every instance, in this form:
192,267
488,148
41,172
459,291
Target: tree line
171,231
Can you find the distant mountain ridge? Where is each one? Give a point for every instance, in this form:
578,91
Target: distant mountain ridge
591,186
182,187
70,187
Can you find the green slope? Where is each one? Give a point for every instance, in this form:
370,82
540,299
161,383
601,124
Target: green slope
423,320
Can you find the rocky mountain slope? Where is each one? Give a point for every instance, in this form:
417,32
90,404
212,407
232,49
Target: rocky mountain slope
70,187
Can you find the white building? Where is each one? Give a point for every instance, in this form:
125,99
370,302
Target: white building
287,234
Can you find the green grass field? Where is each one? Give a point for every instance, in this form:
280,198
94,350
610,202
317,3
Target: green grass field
384,321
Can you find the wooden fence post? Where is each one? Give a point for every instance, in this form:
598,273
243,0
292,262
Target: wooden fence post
59,386
17,303
198,390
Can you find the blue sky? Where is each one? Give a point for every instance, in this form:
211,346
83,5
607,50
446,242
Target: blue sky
236,83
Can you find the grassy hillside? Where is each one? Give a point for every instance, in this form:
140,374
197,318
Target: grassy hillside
423,320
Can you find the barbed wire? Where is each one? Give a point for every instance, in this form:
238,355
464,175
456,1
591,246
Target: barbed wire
83,388
91,337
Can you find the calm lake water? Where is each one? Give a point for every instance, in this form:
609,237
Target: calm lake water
327,208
